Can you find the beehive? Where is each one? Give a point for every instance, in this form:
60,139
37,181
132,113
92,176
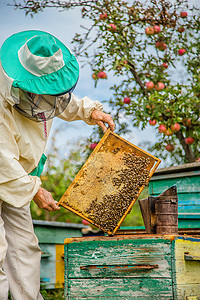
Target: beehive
109,183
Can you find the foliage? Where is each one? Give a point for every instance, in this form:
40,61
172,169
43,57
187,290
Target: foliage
53,294
116,42
134,218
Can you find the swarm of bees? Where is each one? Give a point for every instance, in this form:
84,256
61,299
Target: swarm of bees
128,181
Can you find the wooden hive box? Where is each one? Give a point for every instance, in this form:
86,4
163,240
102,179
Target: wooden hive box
147,266
186,177
109,183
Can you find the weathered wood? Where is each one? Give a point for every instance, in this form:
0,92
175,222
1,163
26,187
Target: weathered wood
184,185
120,288
119,253
187,272
60,267
119,238
189,167
188,291
189,221
154,267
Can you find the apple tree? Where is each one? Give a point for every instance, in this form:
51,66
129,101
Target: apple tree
153,49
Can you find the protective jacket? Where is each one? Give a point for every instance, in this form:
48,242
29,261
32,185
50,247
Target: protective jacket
23,141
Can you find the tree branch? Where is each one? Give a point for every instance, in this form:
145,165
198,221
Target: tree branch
137,78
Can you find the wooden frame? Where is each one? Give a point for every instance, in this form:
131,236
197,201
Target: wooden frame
107,156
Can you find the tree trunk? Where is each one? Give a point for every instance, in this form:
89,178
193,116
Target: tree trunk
188,150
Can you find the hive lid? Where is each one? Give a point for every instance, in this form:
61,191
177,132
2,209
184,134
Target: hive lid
109,183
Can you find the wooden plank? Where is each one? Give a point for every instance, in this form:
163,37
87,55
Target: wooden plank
120,237
173,273
189,202
55,235
66,272
175,175
60,266
179,169
187,272
188,223
188,291
184,185
120,258
120,288
189,199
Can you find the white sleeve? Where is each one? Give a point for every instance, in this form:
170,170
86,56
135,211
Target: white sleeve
80,109
16,186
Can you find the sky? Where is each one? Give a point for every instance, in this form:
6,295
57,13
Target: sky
64,25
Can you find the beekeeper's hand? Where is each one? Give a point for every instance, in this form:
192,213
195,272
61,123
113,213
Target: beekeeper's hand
44,200
101,118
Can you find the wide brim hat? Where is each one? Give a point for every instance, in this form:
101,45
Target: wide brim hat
39,63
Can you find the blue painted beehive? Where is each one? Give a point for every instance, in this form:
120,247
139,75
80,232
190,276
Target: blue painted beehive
51,237
187,180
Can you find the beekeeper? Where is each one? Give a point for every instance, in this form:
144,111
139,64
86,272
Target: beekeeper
37,76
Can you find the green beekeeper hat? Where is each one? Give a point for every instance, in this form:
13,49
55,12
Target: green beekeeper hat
39,63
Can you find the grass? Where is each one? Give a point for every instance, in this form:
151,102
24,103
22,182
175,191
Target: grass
57,294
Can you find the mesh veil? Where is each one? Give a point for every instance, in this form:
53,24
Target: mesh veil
40,108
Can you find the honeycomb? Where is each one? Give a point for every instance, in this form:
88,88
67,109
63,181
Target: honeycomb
109,183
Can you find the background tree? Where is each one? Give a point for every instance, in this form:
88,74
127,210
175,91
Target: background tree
153,47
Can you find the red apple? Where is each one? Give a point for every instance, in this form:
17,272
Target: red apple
112,27
93,146
168,132
94,76
156,29
125,62
152,122
159,86
162,128
189,140
103,16
183,14
169,147
187,122
127,100
165,65
181,51
149,31
102,75
161,45
176,127
149,85
84,222
181,29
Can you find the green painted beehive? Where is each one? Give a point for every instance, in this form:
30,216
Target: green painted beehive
132,267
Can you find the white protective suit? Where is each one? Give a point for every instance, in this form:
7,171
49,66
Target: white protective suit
22,143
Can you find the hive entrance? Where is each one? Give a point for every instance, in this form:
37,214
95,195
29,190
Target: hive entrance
110,182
